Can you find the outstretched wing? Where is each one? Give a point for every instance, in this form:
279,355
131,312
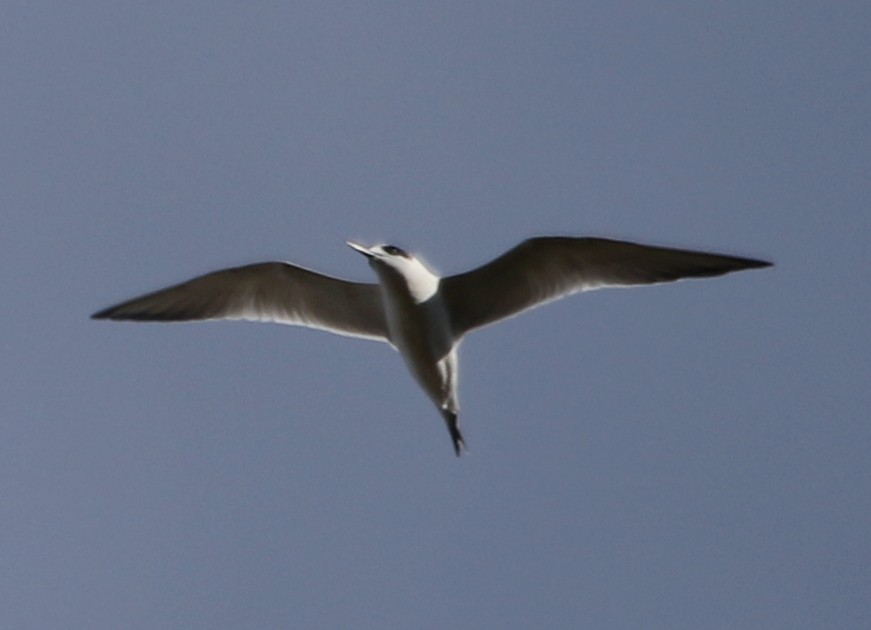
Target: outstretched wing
272,291
543,269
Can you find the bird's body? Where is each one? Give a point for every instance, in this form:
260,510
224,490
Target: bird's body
422,315
418,326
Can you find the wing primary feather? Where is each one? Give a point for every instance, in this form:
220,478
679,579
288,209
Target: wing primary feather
272,291
543,269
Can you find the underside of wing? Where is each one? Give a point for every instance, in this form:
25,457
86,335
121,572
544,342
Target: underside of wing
543,269
272,291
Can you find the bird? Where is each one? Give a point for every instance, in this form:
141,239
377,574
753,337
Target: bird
420,314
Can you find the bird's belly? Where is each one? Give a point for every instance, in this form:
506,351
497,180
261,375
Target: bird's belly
415,330
422,336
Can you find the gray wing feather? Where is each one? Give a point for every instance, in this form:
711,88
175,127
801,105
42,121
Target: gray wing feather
272,291
543,269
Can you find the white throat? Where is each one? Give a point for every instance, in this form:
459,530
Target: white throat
422,283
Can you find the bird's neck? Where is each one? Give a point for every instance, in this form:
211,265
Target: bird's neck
420,285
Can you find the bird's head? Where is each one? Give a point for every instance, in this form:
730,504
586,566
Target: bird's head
391,261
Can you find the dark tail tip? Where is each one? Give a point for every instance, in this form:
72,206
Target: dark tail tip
454,430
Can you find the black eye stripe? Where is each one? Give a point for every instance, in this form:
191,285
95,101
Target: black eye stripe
395,251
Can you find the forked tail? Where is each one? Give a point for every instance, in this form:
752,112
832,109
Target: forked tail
454,429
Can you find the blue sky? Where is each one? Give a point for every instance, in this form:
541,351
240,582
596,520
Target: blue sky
685,456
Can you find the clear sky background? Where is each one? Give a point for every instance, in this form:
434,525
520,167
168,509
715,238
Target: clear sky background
686,456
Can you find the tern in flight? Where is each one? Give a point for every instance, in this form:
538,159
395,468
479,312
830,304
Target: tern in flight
422,315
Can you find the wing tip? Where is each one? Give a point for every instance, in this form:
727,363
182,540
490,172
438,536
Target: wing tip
118,313
756,263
